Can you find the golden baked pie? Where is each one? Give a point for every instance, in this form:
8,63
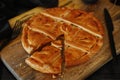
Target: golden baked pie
83,38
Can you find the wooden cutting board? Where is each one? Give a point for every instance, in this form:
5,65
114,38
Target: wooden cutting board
14,55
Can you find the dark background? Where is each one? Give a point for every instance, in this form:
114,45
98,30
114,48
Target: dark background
11,8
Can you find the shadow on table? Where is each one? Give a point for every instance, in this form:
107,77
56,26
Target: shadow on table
4,73
109,71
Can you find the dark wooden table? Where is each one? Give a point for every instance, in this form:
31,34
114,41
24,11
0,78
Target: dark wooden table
5,74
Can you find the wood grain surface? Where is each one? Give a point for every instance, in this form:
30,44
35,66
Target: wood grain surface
14,55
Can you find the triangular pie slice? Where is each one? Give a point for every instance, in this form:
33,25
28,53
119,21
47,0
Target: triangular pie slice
46,61
43,24
32,40
79,39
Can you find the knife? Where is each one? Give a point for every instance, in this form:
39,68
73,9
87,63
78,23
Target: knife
110,29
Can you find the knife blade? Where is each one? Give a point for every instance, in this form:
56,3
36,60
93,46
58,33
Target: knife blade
110,28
